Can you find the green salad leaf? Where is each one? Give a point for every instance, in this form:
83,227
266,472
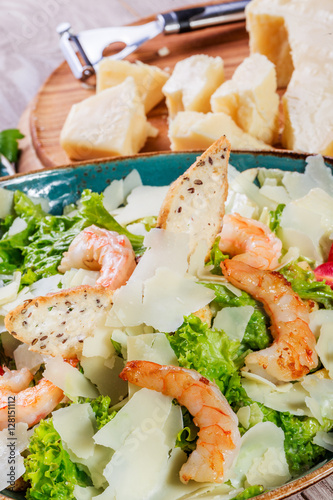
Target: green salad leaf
256,335
216,257
250,492
303,282
275,217
211,353
101,408
38,249
49,470
9,143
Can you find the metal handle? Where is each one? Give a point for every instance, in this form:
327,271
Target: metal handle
183,20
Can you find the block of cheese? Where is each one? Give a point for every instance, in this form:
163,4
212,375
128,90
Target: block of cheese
250,98
265,23
291,33
110,123
306,33
149,79
192,83
194,130
308,112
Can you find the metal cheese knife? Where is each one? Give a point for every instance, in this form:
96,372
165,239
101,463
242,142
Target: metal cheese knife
90,44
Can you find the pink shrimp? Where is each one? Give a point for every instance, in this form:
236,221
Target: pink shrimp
26,404
101,250
250,241
292,354
218,438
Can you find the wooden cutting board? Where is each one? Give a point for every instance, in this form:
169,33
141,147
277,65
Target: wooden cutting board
48,112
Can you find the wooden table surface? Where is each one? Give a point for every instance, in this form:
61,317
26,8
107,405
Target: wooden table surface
29,52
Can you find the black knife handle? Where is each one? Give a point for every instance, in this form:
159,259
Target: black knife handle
179,21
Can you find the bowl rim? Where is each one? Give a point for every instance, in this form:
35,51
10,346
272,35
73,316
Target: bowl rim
110,159
295,485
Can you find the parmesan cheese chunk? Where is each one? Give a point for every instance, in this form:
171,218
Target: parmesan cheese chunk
193,130
250,98
192,83
308,112
149,79
110,123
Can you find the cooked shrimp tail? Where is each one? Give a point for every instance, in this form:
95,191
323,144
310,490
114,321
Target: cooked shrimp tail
31,404
101,250
250,241
218,437
292,354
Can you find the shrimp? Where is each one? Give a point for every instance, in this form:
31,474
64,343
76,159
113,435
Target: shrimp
101,250
218,438
23,403
250,241
292,354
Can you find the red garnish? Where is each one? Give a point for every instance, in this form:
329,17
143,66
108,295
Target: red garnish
1,371
325,272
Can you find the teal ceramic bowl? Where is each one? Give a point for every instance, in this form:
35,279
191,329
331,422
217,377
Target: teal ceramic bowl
63,185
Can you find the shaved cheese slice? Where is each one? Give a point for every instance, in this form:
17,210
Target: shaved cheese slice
144,453
151,347
46,285
28,359
18,226
8,293
99,344
164,249
23,295
116,193
291,398
69,379
146,410
105,375
161,302
6,202
320,401
168,297
75,424
86,493
324,346
261,459
77,277
233,321
70,433
324,439
319,318
143,201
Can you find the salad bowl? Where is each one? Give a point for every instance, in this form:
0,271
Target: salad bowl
63,186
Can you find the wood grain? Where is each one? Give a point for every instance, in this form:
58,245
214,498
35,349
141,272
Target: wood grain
62,90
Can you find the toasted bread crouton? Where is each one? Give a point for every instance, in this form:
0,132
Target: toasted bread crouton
205,314
195,202
59,322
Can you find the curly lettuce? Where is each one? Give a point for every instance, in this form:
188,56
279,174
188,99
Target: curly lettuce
256,335
38,249
303,282
49,470
211,353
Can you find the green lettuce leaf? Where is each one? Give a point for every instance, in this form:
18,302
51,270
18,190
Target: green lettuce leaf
250,492
256,335
303,282
216,257
49,470
212,354
275,217
37,250
9,143
101,408
91,208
